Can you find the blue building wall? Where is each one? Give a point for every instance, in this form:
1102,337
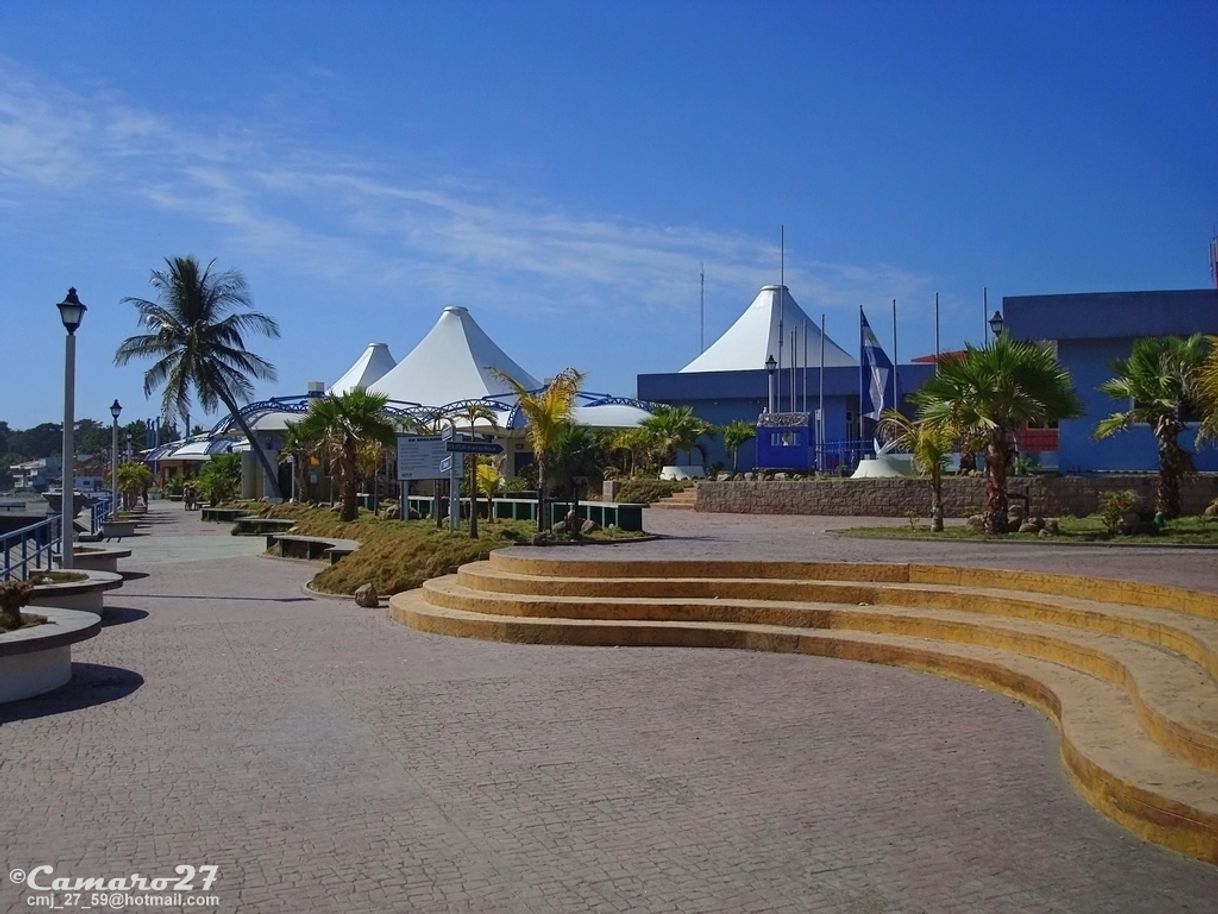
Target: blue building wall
1092,330
723,396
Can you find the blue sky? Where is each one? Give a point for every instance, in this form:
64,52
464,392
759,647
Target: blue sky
563,170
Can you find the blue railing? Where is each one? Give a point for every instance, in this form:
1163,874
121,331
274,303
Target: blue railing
835,456
31,548
99,513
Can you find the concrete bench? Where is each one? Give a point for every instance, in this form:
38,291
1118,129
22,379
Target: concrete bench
253,525
294,545
222,515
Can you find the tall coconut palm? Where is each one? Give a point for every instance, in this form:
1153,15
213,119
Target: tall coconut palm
546,411
677,429
992,392
1160,381
735,434
342,425
470,415
930,445
196,333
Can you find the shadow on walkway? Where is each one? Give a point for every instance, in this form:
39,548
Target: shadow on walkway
197,596
92,684
121,615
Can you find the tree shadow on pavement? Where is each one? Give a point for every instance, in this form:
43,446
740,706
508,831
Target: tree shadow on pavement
91,684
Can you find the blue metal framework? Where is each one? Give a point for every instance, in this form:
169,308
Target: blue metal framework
417,412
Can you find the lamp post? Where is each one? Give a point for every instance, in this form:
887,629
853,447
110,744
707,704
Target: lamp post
116,410
71,312
996,324
770,365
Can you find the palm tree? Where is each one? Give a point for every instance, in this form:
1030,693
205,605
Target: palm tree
488,476
473,413
677,429
638,443
930,444
342,425
196,331
1207,393
993,392
1160,381
546,411
735,434
298,449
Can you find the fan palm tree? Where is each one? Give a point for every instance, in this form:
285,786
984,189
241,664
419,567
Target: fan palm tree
677,429
342,425
735,434
547,411
196,333
992,392
1160,381
472,413
1207,393
298,449
930,444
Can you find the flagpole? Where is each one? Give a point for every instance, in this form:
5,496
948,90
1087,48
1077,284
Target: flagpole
985,315
820,461
805,366
861,360
782,301
895,405
936,333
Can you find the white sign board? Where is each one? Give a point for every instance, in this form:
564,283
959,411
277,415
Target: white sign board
419,457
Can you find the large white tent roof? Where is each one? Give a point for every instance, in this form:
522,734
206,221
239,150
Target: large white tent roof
746,344
370,367
455,361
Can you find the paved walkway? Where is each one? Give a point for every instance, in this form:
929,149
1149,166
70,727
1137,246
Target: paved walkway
327,759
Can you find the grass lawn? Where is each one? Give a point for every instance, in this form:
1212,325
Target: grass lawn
1075,531
401,555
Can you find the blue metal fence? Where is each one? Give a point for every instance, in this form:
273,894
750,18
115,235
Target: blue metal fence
31,548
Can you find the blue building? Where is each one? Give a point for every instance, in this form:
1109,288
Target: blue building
1092,330
730,381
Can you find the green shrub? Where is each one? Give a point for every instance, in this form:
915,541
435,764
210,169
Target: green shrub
1114,506
645,491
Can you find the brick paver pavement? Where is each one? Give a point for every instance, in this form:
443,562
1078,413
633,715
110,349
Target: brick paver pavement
327,759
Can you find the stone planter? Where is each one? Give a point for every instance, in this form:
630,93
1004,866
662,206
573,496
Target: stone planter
80,595
38,659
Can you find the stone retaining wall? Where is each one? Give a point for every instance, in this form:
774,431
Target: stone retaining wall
1048,496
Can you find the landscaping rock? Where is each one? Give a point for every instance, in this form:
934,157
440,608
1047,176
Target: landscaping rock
1044,531
976,522
540,539
1052,527
366,595
1211,510
589,526
1028,527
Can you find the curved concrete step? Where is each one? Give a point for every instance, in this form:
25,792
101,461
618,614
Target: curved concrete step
1113,762
1176,700
1193,637
1137,593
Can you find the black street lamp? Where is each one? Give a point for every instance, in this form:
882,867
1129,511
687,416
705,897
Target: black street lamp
71,312
116,410
996,324
770,365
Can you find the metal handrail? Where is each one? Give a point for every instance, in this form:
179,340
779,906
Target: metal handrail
37,544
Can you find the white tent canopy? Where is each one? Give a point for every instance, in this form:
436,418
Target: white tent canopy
372,365
754,337
453,362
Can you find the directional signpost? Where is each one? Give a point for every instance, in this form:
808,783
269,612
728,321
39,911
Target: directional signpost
472,447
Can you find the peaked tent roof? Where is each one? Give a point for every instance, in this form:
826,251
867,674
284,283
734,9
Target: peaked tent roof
453,362
369,368
745,345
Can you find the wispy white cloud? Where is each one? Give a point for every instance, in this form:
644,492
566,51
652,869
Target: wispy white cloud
333,217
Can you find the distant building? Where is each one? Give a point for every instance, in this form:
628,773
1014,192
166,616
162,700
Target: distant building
1092,330
730,381
35,475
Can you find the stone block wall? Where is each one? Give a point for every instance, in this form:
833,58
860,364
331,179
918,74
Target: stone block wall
1048,496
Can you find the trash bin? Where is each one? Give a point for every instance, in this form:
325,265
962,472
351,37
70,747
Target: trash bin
365,500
